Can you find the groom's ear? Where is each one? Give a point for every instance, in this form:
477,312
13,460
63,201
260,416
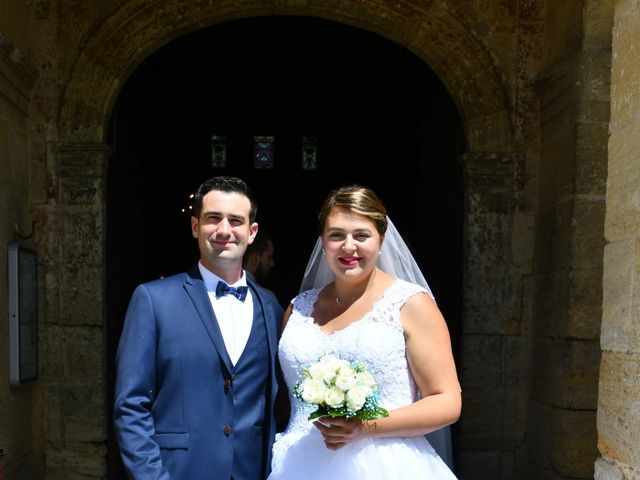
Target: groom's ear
194,226
253,231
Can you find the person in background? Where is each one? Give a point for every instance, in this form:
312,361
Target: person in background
364,299
258,259
196,366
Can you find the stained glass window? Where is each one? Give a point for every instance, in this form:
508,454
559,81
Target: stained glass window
309,153
263,152
218,151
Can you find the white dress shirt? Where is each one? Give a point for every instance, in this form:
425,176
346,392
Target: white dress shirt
235,318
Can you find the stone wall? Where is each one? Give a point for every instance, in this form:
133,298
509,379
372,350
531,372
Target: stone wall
619,397
21,420
533,177
73,375
573,92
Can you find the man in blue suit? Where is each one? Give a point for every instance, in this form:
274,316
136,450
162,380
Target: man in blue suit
196,363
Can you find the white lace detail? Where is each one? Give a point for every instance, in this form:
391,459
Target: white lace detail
377,340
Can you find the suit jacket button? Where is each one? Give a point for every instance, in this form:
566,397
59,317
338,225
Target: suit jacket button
227,384
227,430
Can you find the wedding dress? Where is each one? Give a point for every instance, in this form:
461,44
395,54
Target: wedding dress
377,341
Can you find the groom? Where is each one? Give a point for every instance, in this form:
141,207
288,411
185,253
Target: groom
196,362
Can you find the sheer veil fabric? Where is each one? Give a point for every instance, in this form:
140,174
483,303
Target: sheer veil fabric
395,259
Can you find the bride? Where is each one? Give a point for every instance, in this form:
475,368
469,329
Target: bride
357,304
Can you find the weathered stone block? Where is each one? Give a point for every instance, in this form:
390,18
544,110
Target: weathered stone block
619,407
522,240
591,158
620,328
47,234
83,355
76,461
484,465
82,296
553,238
585,303
623,194
598,23
557,164
494,308
51,314
573,442
624,98
605,470
492,419
565,373
539,434
516,363
587,235
82,237
487,131
560,443
80,190
81,423
608,469
51,341
483,358
595,84
480,427
55,414
625,42
551,309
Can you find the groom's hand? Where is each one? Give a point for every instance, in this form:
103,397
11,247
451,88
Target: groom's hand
337,432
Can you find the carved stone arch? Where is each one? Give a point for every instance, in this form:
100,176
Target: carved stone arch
428,29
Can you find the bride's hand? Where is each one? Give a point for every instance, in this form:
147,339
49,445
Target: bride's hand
337,432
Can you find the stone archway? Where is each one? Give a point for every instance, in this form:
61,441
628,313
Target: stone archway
79,160
433,33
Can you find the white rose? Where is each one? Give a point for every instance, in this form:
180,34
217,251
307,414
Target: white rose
334,364
318,371
313,391
346,378
365,378
334,397
357,396
332,367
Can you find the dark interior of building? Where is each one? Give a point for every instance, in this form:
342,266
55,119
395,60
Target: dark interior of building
381,118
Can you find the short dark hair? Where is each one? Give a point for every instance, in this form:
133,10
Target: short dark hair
225,184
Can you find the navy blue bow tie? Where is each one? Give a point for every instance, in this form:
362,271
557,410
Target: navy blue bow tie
239,292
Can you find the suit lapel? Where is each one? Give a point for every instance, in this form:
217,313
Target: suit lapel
194,285
266,318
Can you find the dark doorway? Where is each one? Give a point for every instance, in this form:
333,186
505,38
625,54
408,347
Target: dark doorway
381,118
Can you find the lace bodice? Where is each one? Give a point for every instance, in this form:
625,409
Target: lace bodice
377,340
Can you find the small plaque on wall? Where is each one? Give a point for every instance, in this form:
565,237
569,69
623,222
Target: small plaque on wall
23,314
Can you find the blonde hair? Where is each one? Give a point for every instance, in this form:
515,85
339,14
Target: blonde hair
356,199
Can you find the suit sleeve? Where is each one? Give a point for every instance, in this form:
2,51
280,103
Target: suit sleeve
135,390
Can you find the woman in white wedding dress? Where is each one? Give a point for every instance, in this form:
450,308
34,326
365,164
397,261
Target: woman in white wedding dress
358,311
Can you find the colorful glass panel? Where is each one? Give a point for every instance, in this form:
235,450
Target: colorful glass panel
218,151
309,153
263,151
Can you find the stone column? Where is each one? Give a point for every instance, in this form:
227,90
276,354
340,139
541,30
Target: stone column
71,236
494,352
619,394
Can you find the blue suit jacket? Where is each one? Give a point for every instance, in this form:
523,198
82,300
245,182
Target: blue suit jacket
173,413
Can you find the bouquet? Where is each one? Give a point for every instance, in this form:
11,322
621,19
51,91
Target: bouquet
339,389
